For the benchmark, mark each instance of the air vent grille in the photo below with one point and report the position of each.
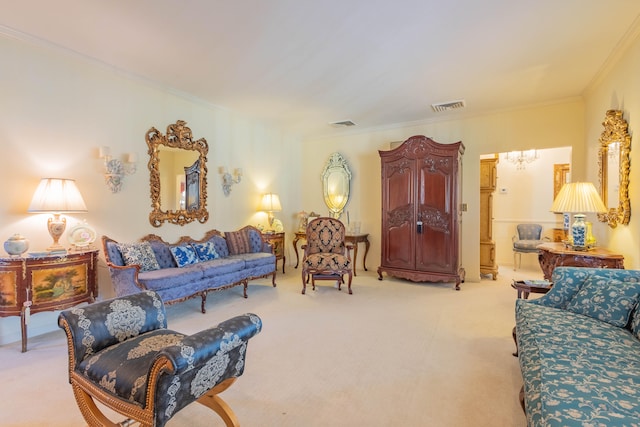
(345, 123)
(447, 106)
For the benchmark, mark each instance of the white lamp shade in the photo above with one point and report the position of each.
(57, 195)
(578, 197)
(270, 203)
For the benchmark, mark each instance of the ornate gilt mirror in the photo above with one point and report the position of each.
(613, 160)
(178, 176)
(336, 179)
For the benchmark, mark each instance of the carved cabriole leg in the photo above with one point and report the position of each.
(379, 273)
(521, 398)
(214, 402)
(273, 279)
(350, 277)
(204, 300)
(245, 285)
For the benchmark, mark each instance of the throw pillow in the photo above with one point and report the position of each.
(607, 300)
(184, 255)
(238, 242)
(205, 251)
(139, 254)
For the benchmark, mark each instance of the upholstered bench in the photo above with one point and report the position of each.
(122, 355)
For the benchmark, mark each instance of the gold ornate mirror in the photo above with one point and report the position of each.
(178, 176)
(613, 159)
(336, 178)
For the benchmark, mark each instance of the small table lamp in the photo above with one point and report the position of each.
(270, 203)
(56, 195)
(578, 198)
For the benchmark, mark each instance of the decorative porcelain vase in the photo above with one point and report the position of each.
(16, 245)
(579, 231)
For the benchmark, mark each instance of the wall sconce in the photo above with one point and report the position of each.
(228, 180)
(116, 169)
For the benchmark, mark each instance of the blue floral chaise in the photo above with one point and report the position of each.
(579, 349)
(122, 355)
(189, 267)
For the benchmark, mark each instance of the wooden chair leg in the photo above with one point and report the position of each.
(90, 412)
(350, 277)
(211, 400)
(304, 281)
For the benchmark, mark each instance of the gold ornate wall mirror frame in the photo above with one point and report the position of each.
(613, 162)
(177, 176)
(336, 179)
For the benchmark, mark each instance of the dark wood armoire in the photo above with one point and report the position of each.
(421, 212)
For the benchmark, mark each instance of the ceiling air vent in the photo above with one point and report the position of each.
(447, 106)
(345, 123)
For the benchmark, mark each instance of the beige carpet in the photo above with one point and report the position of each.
(395, 353)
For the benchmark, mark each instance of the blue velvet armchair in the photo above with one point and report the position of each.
(122, 355)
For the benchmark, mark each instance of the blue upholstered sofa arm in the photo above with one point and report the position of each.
(197, 349)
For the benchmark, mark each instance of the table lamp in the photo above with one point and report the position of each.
(55, 196)
(578, 198)
(270, 203)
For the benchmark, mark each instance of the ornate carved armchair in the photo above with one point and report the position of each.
(122, 355)
(326, 256)
(526, 241)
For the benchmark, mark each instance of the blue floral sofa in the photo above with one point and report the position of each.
(189, 268)
(579, 349)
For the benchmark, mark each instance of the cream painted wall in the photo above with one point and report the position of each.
(548, 126)
(619, 89)
(58, 108)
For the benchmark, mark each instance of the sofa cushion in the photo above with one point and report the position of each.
(184, 255)
(238, 242)
(610, 301)
(221, 246)
(256, 259)
(158, 280)
(220, 266)
(163, 254)
(139, 254)
(206, 251)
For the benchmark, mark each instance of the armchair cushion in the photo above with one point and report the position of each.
(327, 261)
(610, 301)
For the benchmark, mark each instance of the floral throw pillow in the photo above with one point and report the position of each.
(205, 251)
(610, 301)
(184, 255)
(139, 254)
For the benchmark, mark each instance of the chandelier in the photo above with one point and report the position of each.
(520, 158)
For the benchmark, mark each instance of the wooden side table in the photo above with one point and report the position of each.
(277, 242)
(29, 285)
(351, 238)
(552, 255)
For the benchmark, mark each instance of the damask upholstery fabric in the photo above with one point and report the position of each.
(579, 370)
(325, 235)
(238, 242)
(116, 342)
(529, 237)
(140, 254)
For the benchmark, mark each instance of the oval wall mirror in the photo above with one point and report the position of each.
(613, 160)
(336, 179)
(177, 176)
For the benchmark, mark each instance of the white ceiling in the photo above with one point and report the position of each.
(305, 63)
